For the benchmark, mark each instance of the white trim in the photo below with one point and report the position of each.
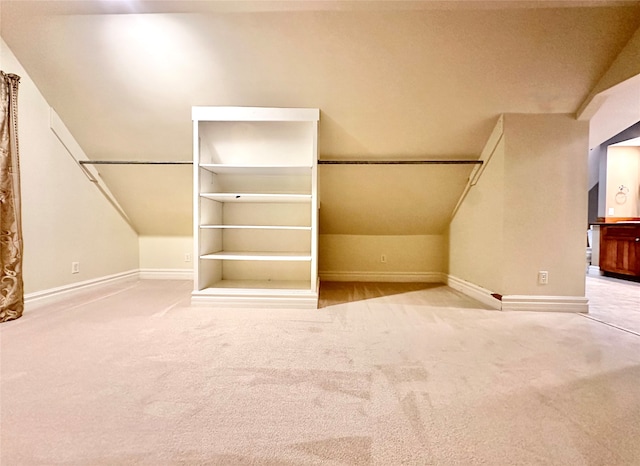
(485, 157)
(520, 302)
(72, 147)
(257, 298)
(309, 301)
(594, 270)
(489, 150)
(395, 277)
(254, 114)
(473, 291)
(545, 303)
(51, 295)
(166, 274)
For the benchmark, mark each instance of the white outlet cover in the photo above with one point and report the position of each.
(543, 277)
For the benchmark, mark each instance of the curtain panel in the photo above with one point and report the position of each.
(11, 286)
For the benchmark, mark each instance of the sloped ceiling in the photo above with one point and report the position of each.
(392, 79)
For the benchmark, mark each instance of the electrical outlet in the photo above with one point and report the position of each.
(187, 257)
(75, 267)
(383, 258)
(611, 211)
(543, 277)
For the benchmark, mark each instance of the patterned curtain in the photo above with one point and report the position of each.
(11, 290)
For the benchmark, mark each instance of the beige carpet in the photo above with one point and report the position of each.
(615, 302)
(380, 375)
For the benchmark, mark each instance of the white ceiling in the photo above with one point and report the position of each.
(392, 79)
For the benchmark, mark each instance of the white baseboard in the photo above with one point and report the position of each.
(166, 274)
(395, 277)
(594, 270)
(51, 295)
(520, 302)
(473, 291)
(507, 303)
(256, 302)
(545, 303)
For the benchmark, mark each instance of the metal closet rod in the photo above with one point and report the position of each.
(135, 162)
(401, 162)
(320, 162)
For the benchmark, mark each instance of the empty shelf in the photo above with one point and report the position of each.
(254, 227)
(259, 256)
(252, 285)
(255, 169)
(253, 197)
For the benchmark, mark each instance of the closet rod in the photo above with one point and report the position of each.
(400, 162)
(134, 162)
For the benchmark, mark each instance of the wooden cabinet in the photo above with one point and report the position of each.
(255, 206)
(620, 249)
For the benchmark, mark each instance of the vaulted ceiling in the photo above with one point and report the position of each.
(393, 79)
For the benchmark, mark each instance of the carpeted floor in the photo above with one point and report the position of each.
(381, 374)
(614, 302)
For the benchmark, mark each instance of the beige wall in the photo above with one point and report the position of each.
(358, 256)
(528, 211)
(476, 234)
(165, 252)
(65, 218)
(389, 200)
(623, 169)
(545, 223)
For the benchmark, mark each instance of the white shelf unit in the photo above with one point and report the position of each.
(256, 206)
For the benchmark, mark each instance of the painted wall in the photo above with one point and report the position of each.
(616, 95)
(475, 234)
(623, 169)
(399, 211)
(392, 200)
(598, 164)
(594, 166)
(618, 108)
(65, 218)
(166, 253)
(602, 182)
(528, 211)
(545, 204)
(358, 257)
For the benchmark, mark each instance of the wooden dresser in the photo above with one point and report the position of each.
(620, 248)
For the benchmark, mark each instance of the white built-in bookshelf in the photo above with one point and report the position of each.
(255, 206)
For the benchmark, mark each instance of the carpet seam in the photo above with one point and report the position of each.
(611, 325)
